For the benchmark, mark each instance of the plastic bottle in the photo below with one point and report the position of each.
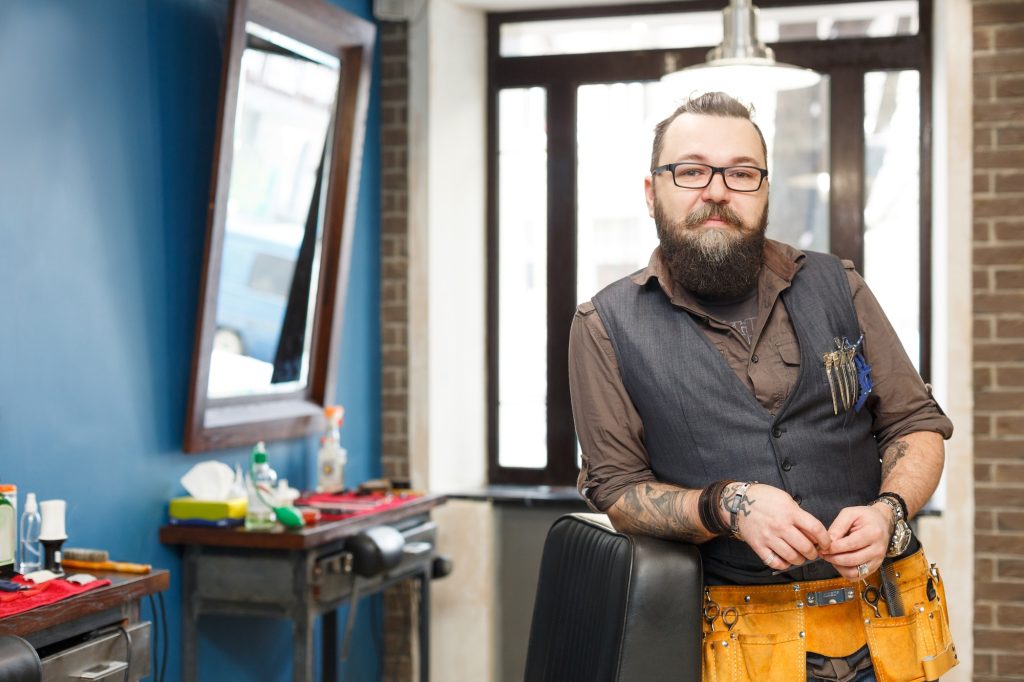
(331, 458)
(259, 514)
(8, 529)
(31, 558)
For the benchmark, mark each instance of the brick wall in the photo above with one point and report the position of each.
(399, 607)
(998, 298)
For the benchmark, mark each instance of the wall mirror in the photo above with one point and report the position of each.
(287, 157)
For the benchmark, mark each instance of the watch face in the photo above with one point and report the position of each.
(900, 539)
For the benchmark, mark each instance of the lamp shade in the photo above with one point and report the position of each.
(741, 63)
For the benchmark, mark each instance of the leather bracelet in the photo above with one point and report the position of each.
(707, 507)
(899, 500)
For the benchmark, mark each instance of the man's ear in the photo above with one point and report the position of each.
(649, 191)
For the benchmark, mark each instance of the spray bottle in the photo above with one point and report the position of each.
(331, 459)
(31, 551)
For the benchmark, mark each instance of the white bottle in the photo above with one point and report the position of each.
(331, 459)
(8, 533)
(31, 558)
(260, 515)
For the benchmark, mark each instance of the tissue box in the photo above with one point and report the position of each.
(188, 511)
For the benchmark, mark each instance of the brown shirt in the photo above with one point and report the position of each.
(611, 433)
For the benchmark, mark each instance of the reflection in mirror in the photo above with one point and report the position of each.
(295, 91)
(275, 214)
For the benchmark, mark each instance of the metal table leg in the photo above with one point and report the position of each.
(190, 614)
(424, 624)
(329, 645)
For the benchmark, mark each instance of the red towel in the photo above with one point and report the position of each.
(346, 505)
(40, 595)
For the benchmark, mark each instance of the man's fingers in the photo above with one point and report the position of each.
(844, 522)
(814, 531)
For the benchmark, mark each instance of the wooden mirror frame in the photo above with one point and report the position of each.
(212, 424)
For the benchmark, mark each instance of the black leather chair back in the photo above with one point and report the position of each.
(612, 607)
(19, 661)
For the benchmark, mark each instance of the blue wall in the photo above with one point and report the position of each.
(107, 112)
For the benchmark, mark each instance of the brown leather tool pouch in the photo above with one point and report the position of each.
(767, 630)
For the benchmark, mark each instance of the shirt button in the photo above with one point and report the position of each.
(754, 358)
(786, 465)
(777, 432)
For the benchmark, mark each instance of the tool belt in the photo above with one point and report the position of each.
(758, 633)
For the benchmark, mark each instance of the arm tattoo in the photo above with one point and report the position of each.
(661, 513)
(893, 454)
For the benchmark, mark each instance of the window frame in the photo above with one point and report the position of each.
(844, 60)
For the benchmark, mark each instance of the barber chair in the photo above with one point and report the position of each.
(19, 661)
(612, 607)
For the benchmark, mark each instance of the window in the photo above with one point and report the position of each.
(575, 97)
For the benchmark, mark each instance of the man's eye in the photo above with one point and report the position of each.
(691, 172)
(741, 174)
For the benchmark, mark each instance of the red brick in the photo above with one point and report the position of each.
(999, 255)
(1005, 12)
(1001, 496)
(984, 88)
(984, 520)
(996, 639)
(998, 352)
(1010, 426)
(982, 474)
(999, 158)
(983, 39)
(999, 302)
(1009, 87)
(1010, 182)
(1011, 664)
(999, 543)
(998, 592)
(982, 427)
(981, 231)
(984, 614)
(983, 663)
(1012, 36)
(984, 568)
(1010, 329)
(1009, 231)
(1009, 615)
(1010, 568)
(1009, 136)
(982, 183)
(1009, 279)
(982, 377)
(994, 401)
(980, 279)
(999, 206)
(991, 448)
(1009, 520)
(982, 329)
(1010, 376)
(998, 63)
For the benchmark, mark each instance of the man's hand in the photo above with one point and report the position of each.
(860, 535)
(778, 530)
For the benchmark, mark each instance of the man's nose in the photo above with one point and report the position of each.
(716, 191)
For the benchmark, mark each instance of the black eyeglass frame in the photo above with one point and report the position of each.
(671, 167)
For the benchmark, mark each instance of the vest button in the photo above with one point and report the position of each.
(786, 465)
(754, 358)
(798, 499)
(777, 432)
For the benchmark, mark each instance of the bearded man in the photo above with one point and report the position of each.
(751, 398)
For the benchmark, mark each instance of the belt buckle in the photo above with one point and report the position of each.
(829, 597)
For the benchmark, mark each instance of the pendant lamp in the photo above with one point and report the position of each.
(741, 64)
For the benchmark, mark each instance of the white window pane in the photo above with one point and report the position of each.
(522, 278)
(615, 236)
(697, 29)
(892, 199)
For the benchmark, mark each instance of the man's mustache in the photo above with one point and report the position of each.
(699, 216)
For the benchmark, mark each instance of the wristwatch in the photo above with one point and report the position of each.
(901, 533)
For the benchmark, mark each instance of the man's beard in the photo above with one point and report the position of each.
(714, 264)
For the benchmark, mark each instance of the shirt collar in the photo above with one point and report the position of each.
(781, 261)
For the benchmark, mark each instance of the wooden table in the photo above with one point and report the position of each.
(297, 574)
(88, 612)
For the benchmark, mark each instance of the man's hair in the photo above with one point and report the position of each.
(708, 104)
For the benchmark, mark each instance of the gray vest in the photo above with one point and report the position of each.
(702, 424)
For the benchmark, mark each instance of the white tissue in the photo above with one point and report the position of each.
(209, 481)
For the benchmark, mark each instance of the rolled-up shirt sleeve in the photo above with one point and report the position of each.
(900, 402)
(608, 426)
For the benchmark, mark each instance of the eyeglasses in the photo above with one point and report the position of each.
(699, 175)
